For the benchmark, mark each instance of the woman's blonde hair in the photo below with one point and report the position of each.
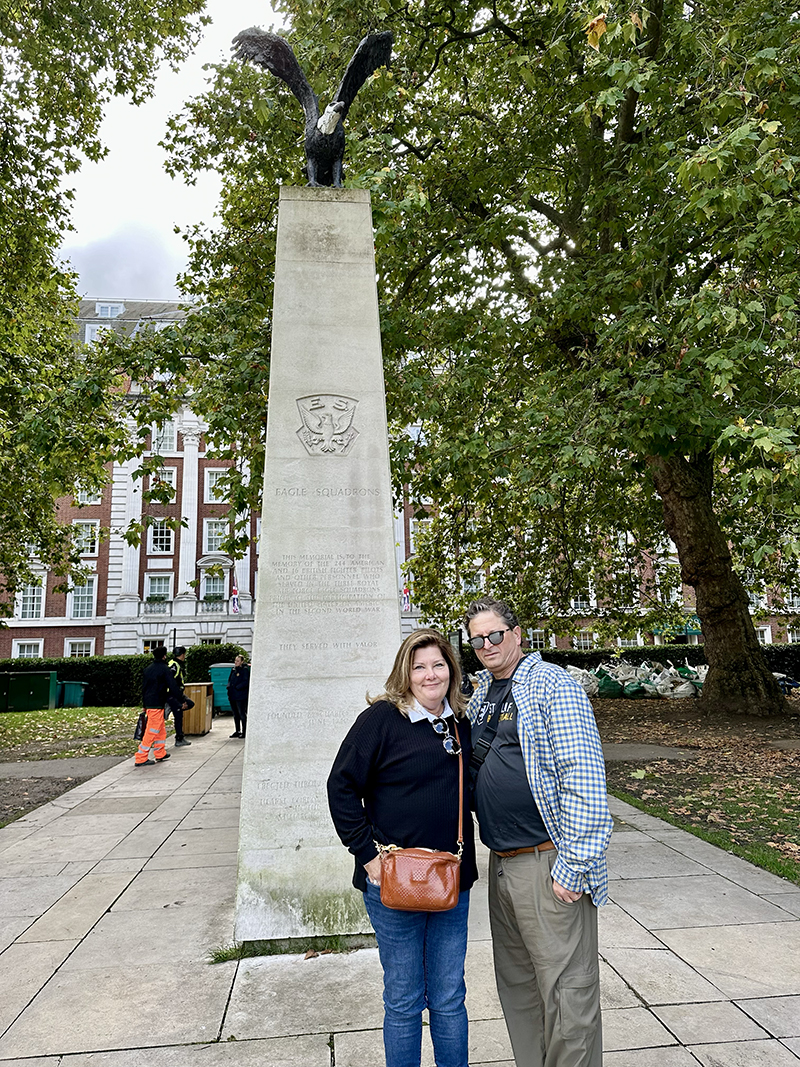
(398, 684)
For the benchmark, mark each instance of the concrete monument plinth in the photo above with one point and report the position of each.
(327, 625)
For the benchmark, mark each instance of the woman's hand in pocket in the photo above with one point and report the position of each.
(373, 869)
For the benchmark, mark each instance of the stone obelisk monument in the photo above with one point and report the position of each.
(327, 625)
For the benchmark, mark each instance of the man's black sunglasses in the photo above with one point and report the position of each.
(493, 638)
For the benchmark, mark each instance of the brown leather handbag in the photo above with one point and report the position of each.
(421, 879)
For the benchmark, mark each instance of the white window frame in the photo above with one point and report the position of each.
(208, 490)
(69, 642)
(537, 638)
(90, 581)
(630, 642)
(580, 637)
(160, 578)
(94, 524)
(581, 603)
(17, 644)
(158, 525)
(105, 309)
(223, 578)
(91, 332)
(764, 635)
(149, 643)
(87, 497)
(413, 526)
(208, 525)
(793, 636)
(164, 437)
(168, 475)
(20, 601)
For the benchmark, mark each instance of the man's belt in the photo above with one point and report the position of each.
(546, 846)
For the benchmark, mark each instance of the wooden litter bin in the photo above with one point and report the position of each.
(197, 720)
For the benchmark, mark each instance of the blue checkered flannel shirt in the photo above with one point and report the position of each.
(564, 761)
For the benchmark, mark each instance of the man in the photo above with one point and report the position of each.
(176, 664)
(540, 797)
(158, 683)
(238, 695)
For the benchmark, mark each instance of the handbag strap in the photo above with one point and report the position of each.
(480, 749)
(460, 792)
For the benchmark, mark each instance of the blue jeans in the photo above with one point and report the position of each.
(422, 955)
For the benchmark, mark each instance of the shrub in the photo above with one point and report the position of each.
(116, 681)
(200, 657)
(783, 659)
(112, 681)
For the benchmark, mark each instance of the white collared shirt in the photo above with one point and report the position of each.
(417, 713)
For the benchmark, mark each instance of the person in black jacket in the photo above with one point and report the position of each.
(395, 781)
(238, 690)
(177, 664)
(158, 683)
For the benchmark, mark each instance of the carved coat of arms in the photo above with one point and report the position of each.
(327, 428)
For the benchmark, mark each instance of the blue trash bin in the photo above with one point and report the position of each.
(220, 673)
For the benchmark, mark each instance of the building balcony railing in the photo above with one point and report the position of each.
(198, 607)
(156, 607)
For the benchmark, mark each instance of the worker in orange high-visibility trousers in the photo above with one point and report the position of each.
(158, 682)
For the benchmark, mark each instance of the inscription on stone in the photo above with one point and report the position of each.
(327, 428)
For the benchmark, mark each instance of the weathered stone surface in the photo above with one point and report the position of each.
(755, 960)
(277, 996)
(678, 903)
(327, 625)
(745, 1054)
(121, 1007)
(707, 1023)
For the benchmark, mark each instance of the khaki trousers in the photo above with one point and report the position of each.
(546, 965)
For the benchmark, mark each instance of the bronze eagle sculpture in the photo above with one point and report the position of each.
(325, 132)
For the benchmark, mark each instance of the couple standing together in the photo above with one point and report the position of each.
(540, 798)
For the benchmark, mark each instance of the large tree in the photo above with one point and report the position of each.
(587, 231)
(60, 62)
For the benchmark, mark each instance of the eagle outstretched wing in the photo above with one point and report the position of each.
(374, 51)
(273, 52)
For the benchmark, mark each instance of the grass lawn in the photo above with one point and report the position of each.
(67, 732)
(740, 792)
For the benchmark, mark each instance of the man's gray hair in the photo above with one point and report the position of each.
(488, 603)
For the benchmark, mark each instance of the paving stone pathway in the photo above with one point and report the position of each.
(112, 896)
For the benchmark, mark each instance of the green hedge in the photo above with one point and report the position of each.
(112, 681)
(116, 681)
(200, 657)
(783, 659)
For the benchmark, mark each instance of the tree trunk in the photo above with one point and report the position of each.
(738, 677)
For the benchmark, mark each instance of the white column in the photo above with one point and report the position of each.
(186, 595)
(126, 507)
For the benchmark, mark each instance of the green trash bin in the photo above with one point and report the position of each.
(32, 690)
(73, 694)
(220, 673)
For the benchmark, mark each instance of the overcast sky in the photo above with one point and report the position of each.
(126, 206)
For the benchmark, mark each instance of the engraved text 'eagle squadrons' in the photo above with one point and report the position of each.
(327, 428)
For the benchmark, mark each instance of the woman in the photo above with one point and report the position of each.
(238, 692)
(395, 781)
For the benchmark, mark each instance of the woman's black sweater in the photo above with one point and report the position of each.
(393, 782)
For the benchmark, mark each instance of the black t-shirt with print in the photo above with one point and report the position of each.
(507, 813)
